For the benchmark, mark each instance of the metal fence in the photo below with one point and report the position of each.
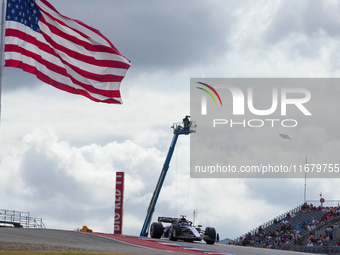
(327, 203)
(10, 218)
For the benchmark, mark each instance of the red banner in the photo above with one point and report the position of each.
(119, 198)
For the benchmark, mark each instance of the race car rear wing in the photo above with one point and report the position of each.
(167, 219)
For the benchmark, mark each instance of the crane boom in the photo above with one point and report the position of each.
(183, 128)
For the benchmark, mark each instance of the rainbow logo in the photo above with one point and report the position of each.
(213, 90)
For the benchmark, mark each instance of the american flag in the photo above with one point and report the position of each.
(63, 52)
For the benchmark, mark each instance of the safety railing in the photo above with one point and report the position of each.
(326, 203)
(10, 218)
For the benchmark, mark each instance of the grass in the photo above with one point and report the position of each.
(2, 252)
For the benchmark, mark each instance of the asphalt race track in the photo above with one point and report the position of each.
(126, 244)
(71, 239)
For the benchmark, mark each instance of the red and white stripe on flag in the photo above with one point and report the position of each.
(63, 52)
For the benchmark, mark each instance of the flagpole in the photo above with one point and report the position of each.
(3, 24)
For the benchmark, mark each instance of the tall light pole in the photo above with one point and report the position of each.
(305, 183)
(305, 194)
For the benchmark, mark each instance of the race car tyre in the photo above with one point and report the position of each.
(211, 232)
(174, 231)
(156, 230)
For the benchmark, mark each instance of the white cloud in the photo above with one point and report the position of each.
(58, 181)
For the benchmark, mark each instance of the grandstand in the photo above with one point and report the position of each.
(306, 228)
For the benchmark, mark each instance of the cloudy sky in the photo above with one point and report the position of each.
(59, 152)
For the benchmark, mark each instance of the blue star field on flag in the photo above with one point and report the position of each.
(25, 12)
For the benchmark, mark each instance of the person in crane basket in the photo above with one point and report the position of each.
(186, 122)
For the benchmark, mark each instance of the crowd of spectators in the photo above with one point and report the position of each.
(281, 237)
(322, 240)
(285, 233)
(329, 212)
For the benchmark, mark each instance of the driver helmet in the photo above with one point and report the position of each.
(184, 224)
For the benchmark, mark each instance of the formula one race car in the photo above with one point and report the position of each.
(181, 229)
